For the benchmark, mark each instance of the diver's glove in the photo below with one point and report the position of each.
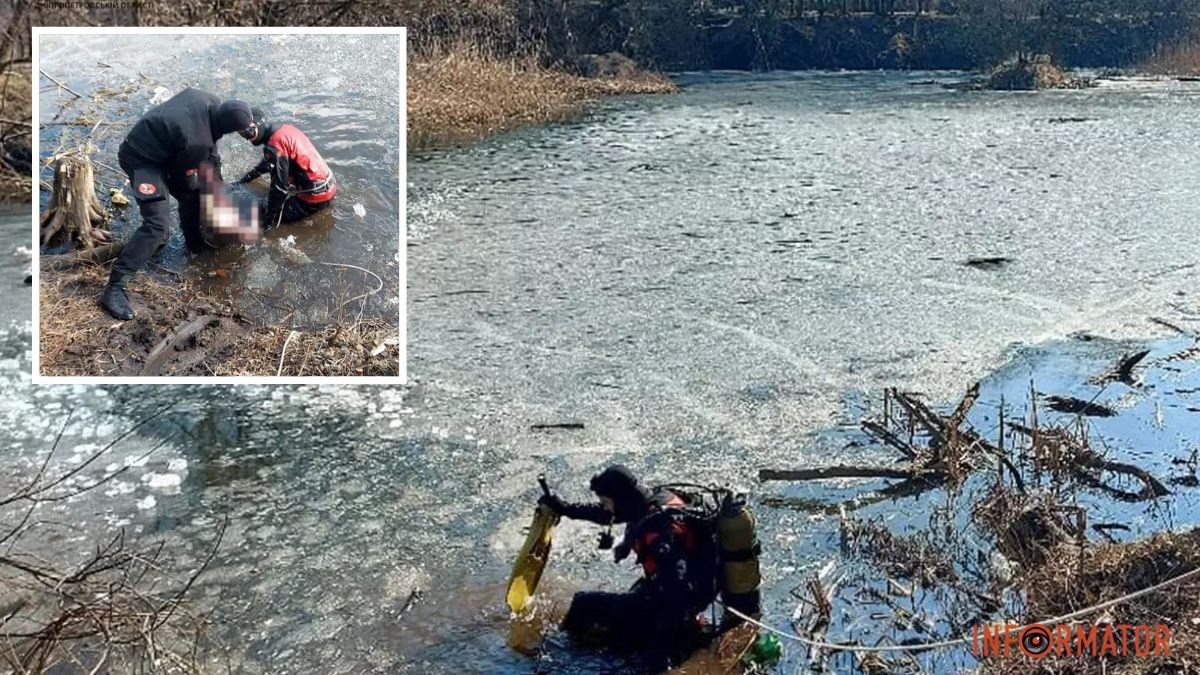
(621, 552)
(553, 502)
(250, 177)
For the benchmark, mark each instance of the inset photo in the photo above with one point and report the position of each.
(219, 203)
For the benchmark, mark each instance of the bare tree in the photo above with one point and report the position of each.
(109, 611)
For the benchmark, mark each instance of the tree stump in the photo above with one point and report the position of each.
(74, 213)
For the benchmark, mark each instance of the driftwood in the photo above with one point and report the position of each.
(948, 457)
(926, 470)
(94, 256)
(1123, 371)
(921, 414)
(163, 352)
(556, 425)
(841, 471)
(1078, 406)
(1168, 324)
(887, 436)
(74, 210)
(1080, 457)
(1152, 487)
(905, 488)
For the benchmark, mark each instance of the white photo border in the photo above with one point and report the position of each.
(401, 378)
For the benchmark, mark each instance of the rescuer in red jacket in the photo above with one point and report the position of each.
(301, 182)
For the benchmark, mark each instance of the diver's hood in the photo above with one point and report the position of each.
(619, 484)
(230, 116)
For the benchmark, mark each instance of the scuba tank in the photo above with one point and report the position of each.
(728, 518)
(739, 549)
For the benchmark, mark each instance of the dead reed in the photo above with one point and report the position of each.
(465, 92)
(1179, 59)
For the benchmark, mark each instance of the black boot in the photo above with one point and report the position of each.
(114, 298)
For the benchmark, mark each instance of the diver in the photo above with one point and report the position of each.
(162, 154)
(301, 182)
(684, 543)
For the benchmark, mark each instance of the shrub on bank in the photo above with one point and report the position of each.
(466, 93)
(15, 114)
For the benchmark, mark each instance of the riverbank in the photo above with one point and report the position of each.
(464, 94)
(179, 330)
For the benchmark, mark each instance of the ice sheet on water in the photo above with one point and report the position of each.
(262, 273)
(160, 95)
(162, 481)
(119, 487)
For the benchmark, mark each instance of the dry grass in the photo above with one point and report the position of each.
(340, 350)
(16, 111)
(914, 557)
(79, 338)
(1105, 571)
(464, 94)
(1178, 59)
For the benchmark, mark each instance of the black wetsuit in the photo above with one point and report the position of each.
(679, 559)
(166, 144)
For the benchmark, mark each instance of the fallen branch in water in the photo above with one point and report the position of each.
(905, 488)
(1123, 371)
(1078, 406)
(843, 471)
(1078, 456)
(887, 436)
(55, 81)
(1168, 324)
(1152, 487)
(556, 425)
(921, 414)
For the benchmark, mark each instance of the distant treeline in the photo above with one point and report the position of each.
(787, 34)
(736, 34)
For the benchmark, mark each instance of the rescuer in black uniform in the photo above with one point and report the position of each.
(162, 155)
(301, 182)
(678, 557)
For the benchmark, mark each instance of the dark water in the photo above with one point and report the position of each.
(341, 91)
(639, 271)
(15, 264)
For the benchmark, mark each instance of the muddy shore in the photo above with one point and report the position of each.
(179, 331)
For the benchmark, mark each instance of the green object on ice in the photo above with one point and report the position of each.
(765, 651)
